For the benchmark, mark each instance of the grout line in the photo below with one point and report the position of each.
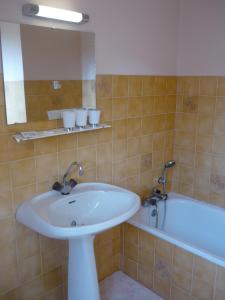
(192, 275)
(214, 284)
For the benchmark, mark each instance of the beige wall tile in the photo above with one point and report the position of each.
(5, 179)
(106, 109)
(28, 246)
(204, 143)
(119, 150)
(190, 85)
(171, 85)
(119, 108)
(148, 85)
(5, 204)
(51, 260)
(147, 241)
(21, 150)
(133, 127)
(131, 251)
(9, 278)
(183, 259)
(187, 140)
(87, 139)
(146, 162)
(67, 142)
(133, 146)
(164, 249)
(178, 294)
(220, 106)
(181, 278)
(7, 231)
(186, 122)
(148, 105)
(160, 85)
(189, 104)
(54, 294)
(145, 276)
(44, 146)
(134, 107)
(46, 167)
(119, 129)
(162, 286)
(135, 86)
(30, 268)
(208, 86)
(220, 278)
(220, 86)
(146, 144)
(204, 270)
(130, 268)
(130, 234)
(120, 86)
(202, 290)
(146, 258)
(206, 104)
(104, 153)
(219, 294)
(104, 86)
(23, 172)
(14, 294)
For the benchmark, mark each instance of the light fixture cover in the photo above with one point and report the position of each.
(42, 11)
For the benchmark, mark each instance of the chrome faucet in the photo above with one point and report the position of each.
(156, 195)
(67, 185)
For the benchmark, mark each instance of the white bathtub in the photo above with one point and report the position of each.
(195, 226)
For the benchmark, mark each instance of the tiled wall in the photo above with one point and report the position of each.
(172, 272)
(131, 153)
(200, 138)
(142, 113)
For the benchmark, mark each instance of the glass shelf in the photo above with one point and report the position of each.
(34, 135)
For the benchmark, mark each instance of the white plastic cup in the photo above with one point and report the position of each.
(69, 118)
(81, 117)
(94, 116)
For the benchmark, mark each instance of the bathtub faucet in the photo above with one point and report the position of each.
(153, 200)
(155, 197)
(163, 179)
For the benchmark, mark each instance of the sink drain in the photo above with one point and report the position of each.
(73, 223)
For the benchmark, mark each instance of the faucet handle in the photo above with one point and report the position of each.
(57, 186)
(156, 191)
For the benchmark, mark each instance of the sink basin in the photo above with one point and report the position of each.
(89, 209)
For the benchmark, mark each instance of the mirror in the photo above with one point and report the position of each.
(46, 69)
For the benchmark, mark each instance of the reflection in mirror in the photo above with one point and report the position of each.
(12, 64)
(58, 69)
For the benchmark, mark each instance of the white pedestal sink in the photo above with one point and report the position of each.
(90, 208)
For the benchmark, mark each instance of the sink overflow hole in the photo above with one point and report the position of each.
(73, 223)
(72, 201)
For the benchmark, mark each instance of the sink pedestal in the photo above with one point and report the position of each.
(82, 274)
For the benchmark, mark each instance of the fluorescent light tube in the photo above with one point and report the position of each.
(48, 12)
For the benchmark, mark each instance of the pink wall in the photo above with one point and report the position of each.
(201, 47)
(132, 37)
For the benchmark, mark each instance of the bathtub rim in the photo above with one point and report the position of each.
(220, 261)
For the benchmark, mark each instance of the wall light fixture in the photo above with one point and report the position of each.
(42, 11)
